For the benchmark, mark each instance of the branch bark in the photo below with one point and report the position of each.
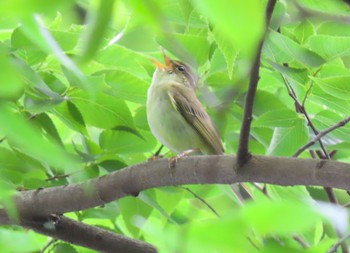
(320, 135)
(189, 170)
(92, 237)
(243, 146)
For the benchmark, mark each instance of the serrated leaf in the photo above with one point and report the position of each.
(70, 115)
(99, 19)
(304, 30)
(127, 60)
(329, 47)
(126, 86)
(122, 142)
(285, 141)
(102, 111)
(277, 118)
(44, 121)
(194, 47)
(333, 28)
(337, 86)
(28, 139)
(281, 49)
(297, 75)
(241, 22)
(75, 113)
(227, 49)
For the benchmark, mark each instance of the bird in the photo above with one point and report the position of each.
(175, 115)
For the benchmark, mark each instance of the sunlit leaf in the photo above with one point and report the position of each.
(97, 26)
(30, 141)
(286, 141)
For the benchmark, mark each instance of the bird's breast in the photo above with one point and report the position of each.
(167, 124)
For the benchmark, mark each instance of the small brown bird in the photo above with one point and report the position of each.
(175, 115)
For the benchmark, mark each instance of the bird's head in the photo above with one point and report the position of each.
(174, 71)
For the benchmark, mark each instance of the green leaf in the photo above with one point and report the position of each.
(64, 248)
(25, 48)
(11, 84)
(102, 111)
(42, 104)
(44, 121)
(326, 119)
(279, 48)
(304, 30)
(329, 47)
(135, 212)
(30, 241)
(33, 80)
(126, 86)
(227, 49)
(26, 138)
(96, 28)
(337, 86)
(333, 28)
(112, 165)
(266, 101)
(326, 101)
(242, 23)
(123, 142)
(280, 217)
(195, 47)
(286, 141)
(299, 76)
(277, 118)
(38, 34)
(70, 115)
(149, 198)
(127, 60)
(141, 118)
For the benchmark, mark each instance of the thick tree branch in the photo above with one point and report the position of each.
(189, 170)
(243, 146)
(92, 237)
(320, 135)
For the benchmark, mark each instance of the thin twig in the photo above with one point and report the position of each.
(341, 241)
(200, 199)
(243, 146)
(300, 108)
(49, 244)
(321, 134)
(303, 243)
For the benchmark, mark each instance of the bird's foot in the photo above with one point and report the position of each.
(173, 160)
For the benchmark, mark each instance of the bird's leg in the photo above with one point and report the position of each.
(173, 160)
(157, 155)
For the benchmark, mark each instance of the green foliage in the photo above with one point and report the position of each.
(72, 102)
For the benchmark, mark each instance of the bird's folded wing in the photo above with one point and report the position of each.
(186, 102)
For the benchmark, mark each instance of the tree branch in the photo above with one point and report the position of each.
(243, 146)
(92, 237)
(320, 135)
(189, 170)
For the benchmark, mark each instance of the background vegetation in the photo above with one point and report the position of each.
(73, 85)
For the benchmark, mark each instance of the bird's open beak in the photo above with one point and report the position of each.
(167, 62)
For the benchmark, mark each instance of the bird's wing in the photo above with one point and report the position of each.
(186, 102)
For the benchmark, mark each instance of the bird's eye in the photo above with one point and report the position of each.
(181, 68)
